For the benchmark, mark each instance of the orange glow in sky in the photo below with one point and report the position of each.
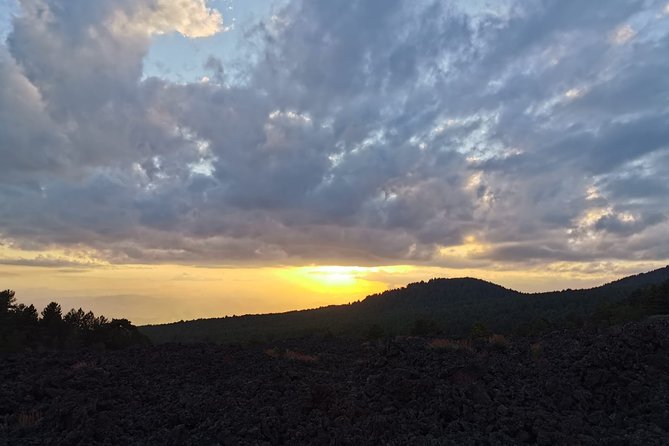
(164, 293)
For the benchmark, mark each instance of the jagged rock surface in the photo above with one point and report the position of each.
(571, 387)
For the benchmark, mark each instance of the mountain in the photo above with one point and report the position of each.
(640, 280)
(447, 306)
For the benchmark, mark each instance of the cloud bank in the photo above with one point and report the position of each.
(370, 132)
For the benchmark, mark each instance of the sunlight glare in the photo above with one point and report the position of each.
(351, 280)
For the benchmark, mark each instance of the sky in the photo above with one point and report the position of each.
(176, 159)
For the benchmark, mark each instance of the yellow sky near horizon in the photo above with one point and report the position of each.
(165, 293)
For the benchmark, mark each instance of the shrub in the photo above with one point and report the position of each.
(451, 344)
(424, 327)
(300, 357)
(374, 332)
(536, 350)
(499, 341)
(276, 352)
(80, 365)
(279, 352)
(29, 419)
(479, 331)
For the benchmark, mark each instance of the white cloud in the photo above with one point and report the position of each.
(592, 193)
(622, 34)
(191, 18)
(574, 93)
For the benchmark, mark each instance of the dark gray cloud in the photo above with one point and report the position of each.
(370, 132)
(47, 262)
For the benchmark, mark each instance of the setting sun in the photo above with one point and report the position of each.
(334, 275)
(349, 282)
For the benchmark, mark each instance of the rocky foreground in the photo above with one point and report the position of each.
(564, 388)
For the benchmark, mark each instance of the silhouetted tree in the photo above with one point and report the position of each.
(26, 316)
(7, 304)
(53, 326)
(21, 328)
(52, 314)
(7, 301)
(18, 323)
(74, 318)
(120, 333)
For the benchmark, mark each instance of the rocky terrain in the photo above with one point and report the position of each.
(569, 387)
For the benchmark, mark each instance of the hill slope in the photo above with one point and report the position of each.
(450, 306)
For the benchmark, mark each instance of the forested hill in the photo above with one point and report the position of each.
(446, 306)
(437, 292)
(640, 280)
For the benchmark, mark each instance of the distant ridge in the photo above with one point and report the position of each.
(448, 305)
(446, 288)
(640, 280)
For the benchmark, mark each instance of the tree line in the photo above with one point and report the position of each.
(23, 328)
(651, 300)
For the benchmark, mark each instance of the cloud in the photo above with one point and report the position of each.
(391, 134)
(46, 261)
(191, 18)
(622, 34)
(25, 125)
